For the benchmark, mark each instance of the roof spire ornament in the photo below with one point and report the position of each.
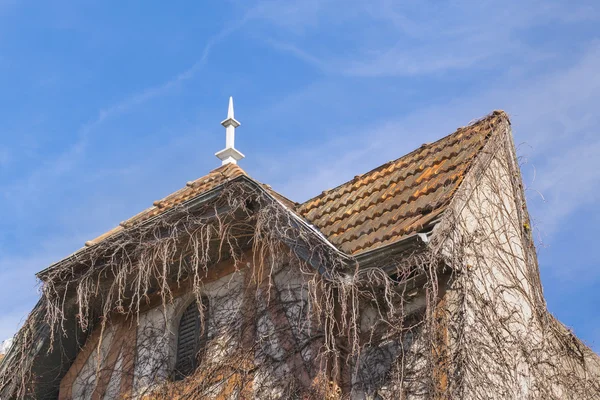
(229, 155)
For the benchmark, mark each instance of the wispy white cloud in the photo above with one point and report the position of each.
(569, 180)
(306, 57)
(385, 38)
(150, 93)
(296, 16)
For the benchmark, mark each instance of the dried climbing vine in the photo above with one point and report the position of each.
(460, 317)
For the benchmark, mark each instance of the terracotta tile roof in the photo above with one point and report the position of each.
(192, 189)
(374, 209)
(401, 197)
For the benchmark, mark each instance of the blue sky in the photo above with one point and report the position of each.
(106, 107)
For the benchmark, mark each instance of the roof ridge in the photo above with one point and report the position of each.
(490, 116)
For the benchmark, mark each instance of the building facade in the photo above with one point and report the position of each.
(416, 280)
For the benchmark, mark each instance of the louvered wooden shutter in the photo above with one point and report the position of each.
(191, 340)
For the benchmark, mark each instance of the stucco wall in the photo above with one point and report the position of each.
(158, 330)
(507, 344)
(277, 329)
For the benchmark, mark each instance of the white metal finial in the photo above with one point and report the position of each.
(229, 154)
(230, 109)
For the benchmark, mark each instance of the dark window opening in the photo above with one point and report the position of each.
(191, 340)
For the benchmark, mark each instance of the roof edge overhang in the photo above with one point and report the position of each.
(209, 195)
(195, 201)
(382, 255)
(375, 256)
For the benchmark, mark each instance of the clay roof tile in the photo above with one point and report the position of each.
(400, 197)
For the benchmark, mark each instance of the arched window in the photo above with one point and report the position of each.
(191, 339)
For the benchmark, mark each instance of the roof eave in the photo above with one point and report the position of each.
(201, 199)
(194, 201)
(415, 241)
